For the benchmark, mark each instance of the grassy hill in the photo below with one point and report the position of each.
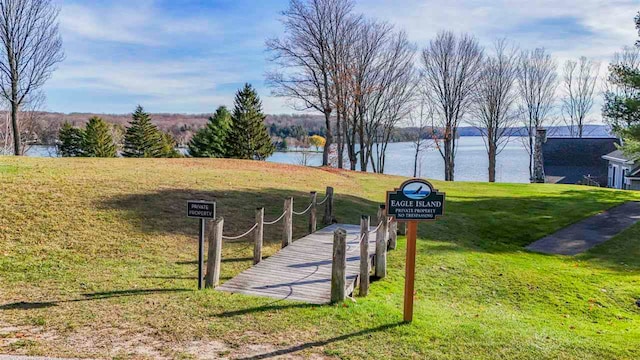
(98, 260)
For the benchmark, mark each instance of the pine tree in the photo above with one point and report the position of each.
(248, 137)
(142, 139)
(210, 141)
(168, 146)
(622, 108)
(98, 141)
(71, 140)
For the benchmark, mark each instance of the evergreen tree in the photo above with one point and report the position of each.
(142, 139)
(168, 146)
(210, 141)
(71, 140)
(98, 141)
(622, 107)
(248, 137)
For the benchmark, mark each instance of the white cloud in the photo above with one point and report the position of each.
(186, 63)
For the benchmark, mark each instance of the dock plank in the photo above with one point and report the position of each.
(302, 270)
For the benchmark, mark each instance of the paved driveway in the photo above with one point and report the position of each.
(590, 232)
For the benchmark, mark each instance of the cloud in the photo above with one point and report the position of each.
(190, 56)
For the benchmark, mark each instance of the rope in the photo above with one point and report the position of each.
(274, 221)
(303, 212)
(240, 236)
(324, 200)
(376, 229)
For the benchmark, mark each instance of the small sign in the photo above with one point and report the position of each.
(201, 209)
(415, 200)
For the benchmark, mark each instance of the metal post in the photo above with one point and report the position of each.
(201, 254)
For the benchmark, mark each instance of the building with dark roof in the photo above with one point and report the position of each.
(623, 171)
(577, 160)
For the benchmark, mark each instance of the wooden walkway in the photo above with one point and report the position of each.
(302, 270)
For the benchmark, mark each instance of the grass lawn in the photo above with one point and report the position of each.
(97, 259)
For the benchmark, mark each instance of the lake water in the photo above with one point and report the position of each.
(471, 160)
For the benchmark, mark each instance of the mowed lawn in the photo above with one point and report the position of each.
(97, 259)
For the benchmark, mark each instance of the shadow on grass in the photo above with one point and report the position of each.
(319, 343)
(273, 306)
(481, 223)
(87, 297)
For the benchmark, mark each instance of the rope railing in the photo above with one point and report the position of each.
(376, 229)
(242, 235)
(276, 220)
(303, 212)
(326, 197)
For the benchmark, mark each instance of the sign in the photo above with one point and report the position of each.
(201, 209)
(415, 200)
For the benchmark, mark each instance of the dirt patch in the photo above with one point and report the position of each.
(108, 343)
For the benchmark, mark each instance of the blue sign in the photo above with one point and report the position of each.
(415, 200)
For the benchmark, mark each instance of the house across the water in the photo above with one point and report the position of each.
(623, 172)
(577, 160)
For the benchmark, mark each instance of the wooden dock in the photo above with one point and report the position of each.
(302, 270)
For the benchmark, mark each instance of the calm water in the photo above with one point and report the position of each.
(471, 160)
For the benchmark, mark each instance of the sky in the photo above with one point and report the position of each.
(187, 56)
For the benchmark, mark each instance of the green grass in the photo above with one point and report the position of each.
(97, 260)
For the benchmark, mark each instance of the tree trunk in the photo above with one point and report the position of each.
(492, 161)
(339, 140)
(415, 160)
(15, 128)
(329, 139)
(448, 159)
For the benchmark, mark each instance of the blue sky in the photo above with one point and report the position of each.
(188, 56)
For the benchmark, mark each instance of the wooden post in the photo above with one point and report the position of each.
(287, 232)
(328, 207)
(338, 266)
(364, 255)
(259, 235)
(381, 243)
(214, 256)
(410, 270)
(393, 235)
(313, 223)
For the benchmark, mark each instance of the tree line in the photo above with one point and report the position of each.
(365, 77)
(241, 134)
(142, 139)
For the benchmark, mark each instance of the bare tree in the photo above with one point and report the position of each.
(451, 66)
(495, 100)
(537, 83)
(31, 48)
(420, 120)
(392, 97)
(578, 86)
(304, 56)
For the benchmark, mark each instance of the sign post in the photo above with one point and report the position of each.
(201, 210)
(416, 200)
